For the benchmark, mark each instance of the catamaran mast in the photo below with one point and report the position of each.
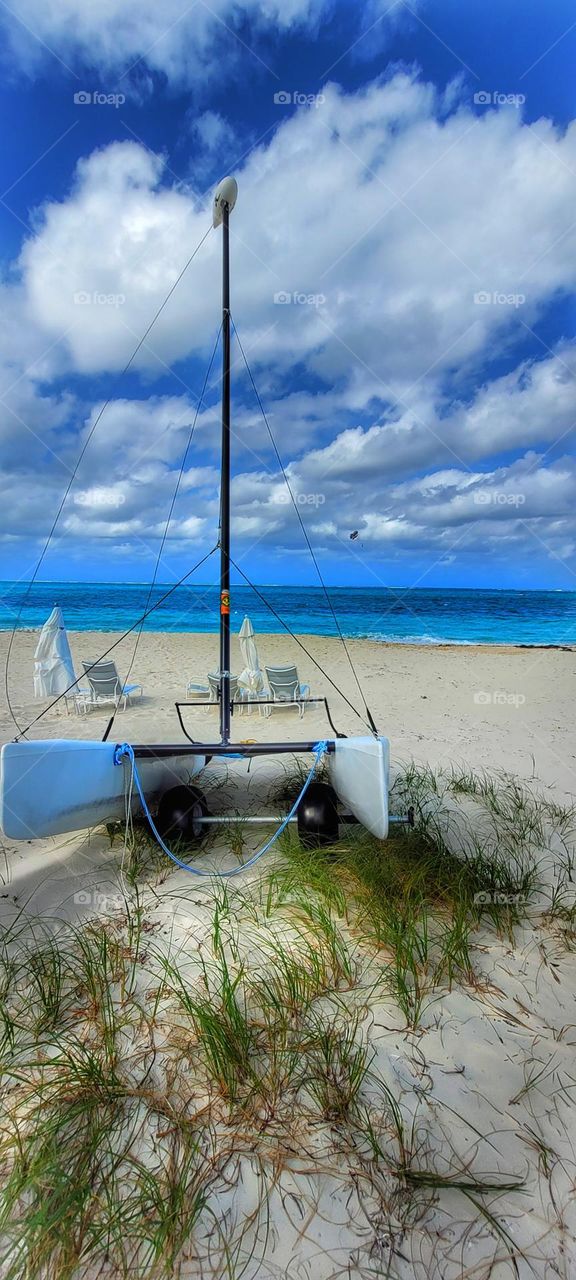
(224, 202)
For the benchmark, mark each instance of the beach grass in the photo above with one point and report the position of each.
(167, 1094)
(108, 1169)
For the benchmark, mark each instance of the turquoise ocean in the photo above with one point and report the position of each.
(411, 616)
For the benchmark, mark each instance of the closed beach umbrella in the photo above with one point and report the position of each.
(53, 666)
(251, 677)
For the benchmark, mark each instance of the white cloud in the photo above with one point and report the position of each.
(180, 40)
(405, 214)
(104, 260)
(216, 144)
(392, 213)
(533, 403)
(128, 478)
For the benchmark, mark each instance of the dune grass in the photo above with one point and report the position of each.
(412, 903)
(419, 897)
(115, 1160)
(141, 1078)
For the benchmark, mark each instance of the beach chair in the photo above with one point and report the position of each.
(211, 692)
(78, 699)
(236, 693)
(106, 686)
(214, 682)
(198, 691)
(285, 689)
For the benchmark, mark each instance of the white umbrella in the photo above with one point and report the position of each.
(251, 677)
(53, 666)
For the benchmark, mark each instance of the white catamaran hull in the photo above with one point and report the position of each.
(51, 787)
(54, 786)
(359, 770)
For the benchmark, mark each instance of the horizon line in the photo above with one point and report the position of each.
(338, 586)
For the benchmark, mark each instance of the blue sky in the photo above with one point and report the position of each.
(404, 268)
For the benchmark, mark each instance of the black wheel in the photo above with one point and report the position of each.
(318, 816)
(178, 817)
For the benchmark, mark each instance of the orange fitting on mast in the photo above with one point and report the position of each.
(225, 602)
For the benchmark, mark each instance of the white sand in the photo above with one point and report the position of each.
(485, 706)
(463, 1073)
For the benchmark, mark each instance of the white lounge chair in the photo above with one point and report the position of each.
(214, 682)
(105, 687)
(198, 691)
(285, 689)
(211, 692)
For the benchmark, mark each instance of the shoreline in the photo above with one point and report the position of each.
(504, 646)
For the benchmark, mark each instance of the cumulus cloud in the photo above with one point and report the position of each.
(423, 239)
(216, 144)
(127, 481)
(103, 297)
(416, 241)
(183, 42)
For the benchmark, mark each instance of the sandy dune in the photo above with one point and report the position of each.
(485, 1081)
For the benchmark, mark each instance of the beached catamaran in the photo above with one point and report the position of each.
(49, 787)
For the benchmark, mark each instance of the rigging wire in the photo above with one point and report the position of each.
(371, 723)
(302, 646)
(168, 521)
(138, 625)
(22, 732)
(125, 752)
(42, 556)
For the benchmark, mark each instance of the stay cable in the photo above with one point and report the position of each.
(370, 718)
(81, 455)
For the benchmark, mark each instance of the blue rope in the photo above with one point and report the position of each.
(125, 751)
